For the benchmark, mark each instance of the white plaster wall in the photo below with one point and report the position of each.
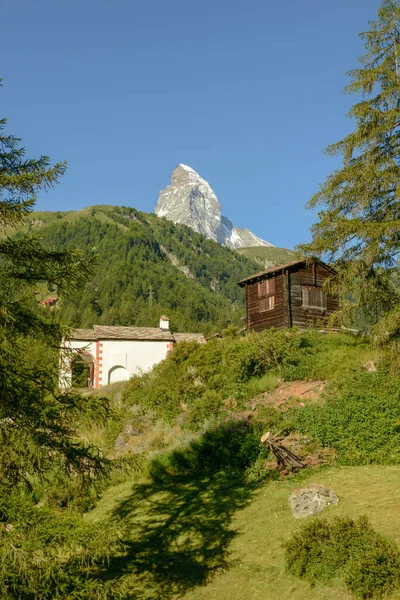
(118, 374)
(136, 356)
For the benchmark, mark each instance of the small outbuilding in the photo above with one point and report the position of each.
(289, 295)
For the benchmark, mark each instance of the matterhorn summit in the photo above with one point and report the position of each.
(191, 201)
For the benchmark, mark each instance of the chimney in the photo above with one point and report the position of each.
(164, 323)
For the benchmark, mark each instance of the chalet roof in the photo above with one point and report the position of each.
(283, 267)
(110, 332)
(189, 337)
(82, 334)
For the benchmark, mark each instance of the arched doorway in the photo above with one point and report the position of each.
(117, 373)
(82, 370)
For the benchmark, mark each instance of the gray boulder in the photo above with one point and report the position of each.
(311, 500)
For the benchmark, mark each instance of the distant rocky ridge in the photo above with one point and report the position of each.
(191, 201)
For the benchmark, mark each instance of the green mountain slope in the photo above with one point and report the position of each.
(268, 256)
(146, 266)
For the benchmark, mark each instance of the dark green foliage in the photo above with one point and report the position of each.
(80, 373)
(376, 572)
(234, 445)
(199, 377)
(48, 555)
(44, 554)
(203, 408)
(359, 203)
(367, 561)
(37, 422)
(202, 384)
(147, 266)
(361, 420)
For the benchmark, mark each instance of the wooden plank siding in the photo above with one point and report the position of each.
(314, 275)
(259, 320)
(298, 299)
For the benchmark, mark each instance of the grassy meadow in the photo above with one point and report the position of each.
(268, 256)
(222, 538)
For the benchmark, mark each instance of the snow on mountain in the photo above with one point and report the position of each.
(190, 200)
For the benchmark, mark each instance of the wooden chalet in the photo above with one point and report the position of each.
(289, 295)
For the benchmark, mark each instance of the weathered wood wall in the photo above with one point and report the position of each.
(312, 275)
(289, 310)
(257, 320)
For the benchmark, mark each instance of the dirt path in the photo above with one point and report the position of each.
(289, 394)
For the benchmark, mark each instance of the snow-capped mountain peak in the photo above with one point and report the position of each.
(191, 200)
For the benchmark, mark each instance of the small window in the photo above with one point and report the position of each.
(266, 288)
(266, 297)
(267, 303)
(313, 297)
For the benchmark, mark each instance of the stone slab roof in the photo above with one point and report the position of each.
(190, 337)
(108, 332)
(82, 334)
(104, 332)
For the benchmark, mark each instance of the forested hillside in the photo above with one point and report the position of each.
(146, 266)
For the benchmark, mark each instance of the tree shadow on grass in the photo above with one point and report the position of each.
(177, 531)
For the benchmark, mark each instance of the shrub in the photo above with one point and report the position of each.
(258, 385)
(350, 549)
(235, 368)
(362, 420)
(204, 409)
(376, 572)
(234, 445)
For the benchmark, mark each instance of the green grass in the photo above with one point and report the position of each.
(220, 538)
(266, 383)
(268, 256)
(258, 570)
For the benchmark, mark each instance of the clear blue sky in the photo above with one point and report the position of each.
(248, 93)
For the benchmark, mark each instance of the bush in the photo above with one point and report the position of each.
(234, 445)
(204, 409)
(362, 420)
(350, 549)
(377, 572)
(194, 375)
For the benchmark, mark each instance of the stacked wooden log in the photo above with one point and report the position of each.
(284, 457)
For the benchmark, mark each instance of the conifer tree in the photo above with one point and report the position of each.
(36, 420)
(359, 222)
(44, 552)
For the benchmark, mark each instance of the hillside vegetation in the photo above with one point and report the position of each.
(267, 256)
(146, 266)
(200, 504)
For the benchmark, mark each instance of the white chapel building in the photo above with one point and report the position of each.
(114, 353)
